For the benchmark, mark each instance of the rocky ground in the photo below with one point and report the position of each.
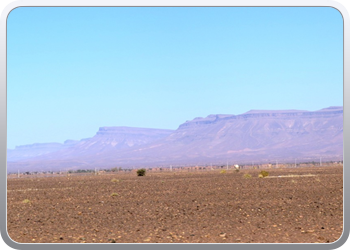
(302, 205)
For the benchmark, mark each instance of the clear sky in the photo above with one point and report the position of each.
(73, 70)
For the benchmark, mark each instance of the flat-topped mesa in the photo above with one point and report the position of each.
(207, 120)
(39, 145)
(253, 114)
(70, 142)
(132, 130)
(333, 110)
(326, 112)
(120, 137)
(257, 135)
(257, 111)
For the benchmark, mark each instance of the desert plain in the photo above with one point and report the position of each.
(291, 205)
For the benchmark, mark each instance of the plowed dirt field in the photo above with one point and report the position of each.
(290, 206)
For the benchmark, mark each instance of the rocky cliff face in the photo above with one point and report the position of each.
(112, 139)
(257, 135)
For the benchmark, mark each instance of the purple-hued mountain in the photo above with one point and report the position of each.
(106, 139)
(257, 135)
(37, 149)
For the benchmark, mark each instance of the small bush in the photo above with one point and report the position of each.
(26, 201)
(114, 194)
(246, 176)
(223, 172)
(114, 180)
(141, 172)
(263, 174)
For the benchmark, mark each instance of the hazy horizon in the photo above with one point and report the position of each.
(71, 70)
(94, 133)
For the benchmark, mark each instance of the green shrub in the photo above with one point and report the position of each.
(114, 194)
(26, 201)
(141, 172)
(263, 174)
(246, 176)
(223, 172)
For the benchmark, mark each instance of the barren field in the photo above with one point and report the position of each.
(303, 205)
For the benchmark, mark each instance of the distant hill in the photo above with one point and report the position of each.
(42, 155)
(37, 149)
(257, 135)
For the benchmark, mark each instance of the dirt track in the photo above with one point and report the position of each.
(179, 207)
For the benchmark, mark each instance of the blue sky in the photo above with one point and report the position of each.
(73, 70)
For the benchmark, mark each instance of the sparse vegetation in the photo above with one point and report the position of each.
(94, 209)
(263, 174)
(141, 172)
(223, 172)
(26, 201)
(114, 180)
(247, 176)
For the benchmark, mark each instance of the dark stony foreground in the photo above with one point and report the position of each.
(193, 207)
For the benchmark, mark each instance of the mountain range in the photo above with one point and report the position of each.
(257, 135)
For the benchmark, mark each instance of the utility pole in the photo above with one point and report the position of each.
(171, 168)
(17, 173)
(226, 165)
(320, 161)
(276, 164)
